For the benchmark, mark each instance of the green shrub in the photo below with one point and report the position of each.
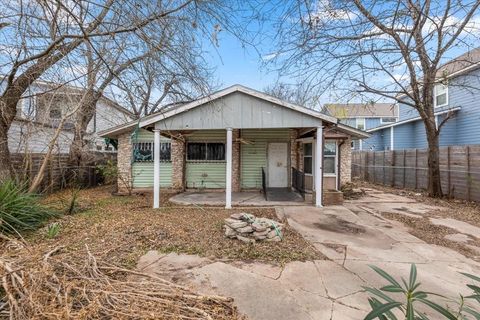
(383, 303)
(20, 210)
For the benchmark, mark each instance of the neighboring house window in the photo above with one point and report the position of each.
(308, 158)
(143, 151)
(360, 123)
(55, 113)
(330, 158)
(440, 93)
(206, 151)
(388, 119)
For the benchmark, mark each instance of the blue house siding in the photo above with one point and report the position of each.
(372, 123)
(375, 142)
(462, 129)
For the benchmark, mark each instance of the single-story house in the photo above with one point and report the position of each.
(234, 140)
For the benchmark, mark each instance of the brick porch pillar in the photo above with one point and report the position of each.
(293, 149)
(178, 164)
(236, 160)
(346, 162)
(124, 163)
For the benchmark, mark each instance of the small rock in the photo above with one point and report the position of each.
(245, 239)
(274, 239)
(257, 237)
(248, 217)
(229, 232)
(261, 233)
(247, 229)
(258, 226)
(237, 216)
(237, 224)
(272, 234)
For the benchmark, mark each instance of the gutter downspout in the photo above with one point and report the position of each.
(339, 161)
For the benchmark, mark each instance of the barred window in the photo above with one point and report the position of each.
(206, 151)
(143, 151)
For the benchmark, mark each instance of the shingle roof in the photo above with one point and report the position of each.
(459, 63)
(352, 110)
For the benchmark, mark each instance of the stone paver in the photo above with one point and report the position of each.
(353, 237)
(460, 226)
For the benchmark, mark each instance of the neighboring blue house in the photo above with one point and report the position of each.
(460, 96)
(363, 117)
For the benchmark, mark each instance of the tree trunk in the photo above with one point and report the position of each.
(434, 180)
(6, 170)
(8, 109)
(82, 118)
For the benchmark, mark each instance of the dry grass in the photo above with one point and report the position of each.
(93, 277)
(122, 228)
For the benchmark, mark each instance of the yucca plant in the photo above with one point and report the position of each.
(384, 305)
(53, 229)
(20, 210)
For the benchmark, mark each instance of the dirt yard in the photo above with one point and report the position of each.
(120, 229)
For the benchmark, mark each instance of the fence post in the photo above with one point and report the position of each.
(404, 167)
(416, 169)
(469, 178)
(374, 167)
(448, 171)
(393, 168)
(384, 168)
(366, 166)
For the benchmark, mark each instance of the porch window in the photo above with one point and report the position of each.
(308, 158)
(143, 151)
(440, 93)
(330, 158)
(206, 151)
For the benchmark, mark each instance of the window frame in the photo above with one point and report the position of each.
(152, 146)
(335, 159)
(364, 123)
(385, 122)
(308, 156)
(335, 156)
(206, 151)
(435, 95)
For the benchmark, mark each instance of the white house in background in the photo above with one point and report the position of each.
(39, 114)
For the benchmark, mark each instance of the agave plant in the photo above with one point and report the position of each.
(20, 210)
(384, 305)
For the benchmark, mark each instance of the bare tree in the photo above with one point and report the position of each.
(295, 93)
(393, 49)
(40, 34)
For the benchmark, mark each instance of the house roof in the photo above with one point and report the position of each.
(354, 110)
(465, 62)
(170, 113)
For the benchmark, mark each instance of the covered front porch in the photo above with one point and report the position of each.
(239, 199)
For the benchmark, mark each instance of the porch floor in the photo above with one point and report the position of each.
(244, 198)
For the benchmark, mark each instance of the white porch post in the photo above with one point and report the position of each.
(318, 167)
(156, 168)
(228, 182)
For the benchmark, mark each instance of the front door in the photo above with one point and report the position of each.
(277, 165)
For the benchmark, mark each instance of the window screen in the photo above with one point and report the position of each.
(201, 151)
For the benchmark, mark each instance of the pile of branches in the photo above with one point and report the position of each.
(56, 287)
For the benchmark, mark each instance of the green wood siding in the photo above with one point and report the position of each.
(143, 174)
(254, 155)
(204, 174)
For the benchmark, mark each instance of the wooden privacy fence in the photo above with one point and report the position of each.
(459, 169)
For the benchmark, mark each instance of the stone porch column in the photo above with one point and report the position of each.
(294, 156)
(124, 163)
(345, 162)
(236, 160)
(178, 164)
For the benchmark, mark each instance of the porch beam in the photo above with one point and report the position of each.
(156, 168)
(228, 176)
(319, 167)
